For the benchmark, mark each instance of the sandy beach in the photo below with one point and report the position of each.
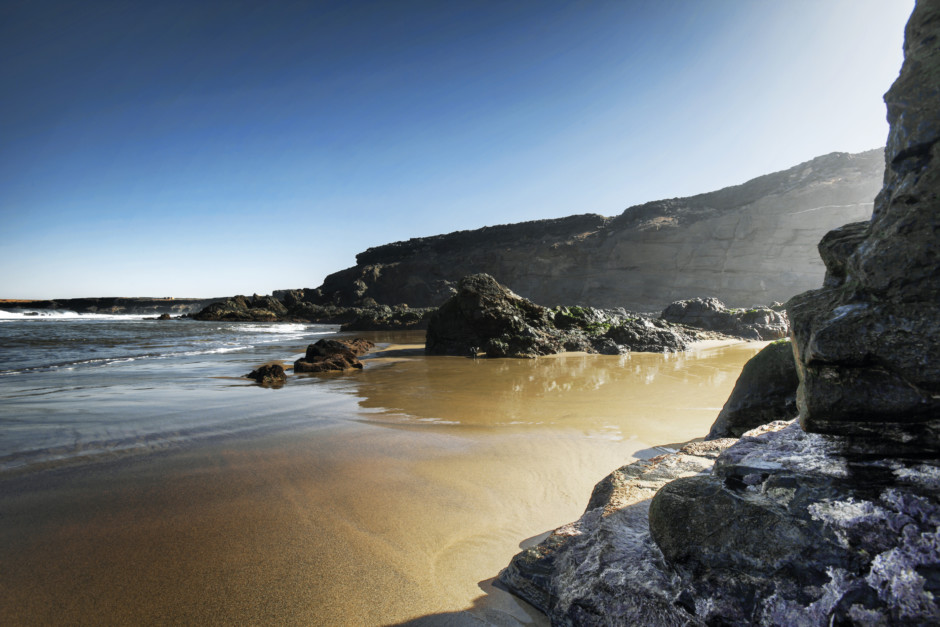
(402, 508)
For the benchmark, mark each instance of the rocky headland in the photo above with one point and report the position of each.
(113, 305)
(751, 243)
(831, 519)
(289, 306)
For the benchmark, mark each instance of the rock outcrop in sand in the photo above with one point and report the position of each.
(484, 316)
(751, 243)
(832, 520)
(333, 355)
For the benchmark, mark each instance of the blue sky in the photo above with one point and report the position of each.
(214, 148)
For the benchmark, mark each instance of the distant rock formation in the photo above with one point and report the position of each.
(287, 306)
(242, 309)
(832, 520)
(755, 323)
(484, 316)
(113, 305)
(751, 243)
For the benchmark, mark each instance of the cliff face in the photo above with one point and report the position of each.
(834, 520)
(868, 342)
(751, 243)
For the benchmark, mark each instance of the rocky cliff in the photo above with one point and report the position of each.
(751, 243)
(831, 520)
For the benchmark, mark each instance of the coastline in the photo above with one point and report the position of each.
(403, 505)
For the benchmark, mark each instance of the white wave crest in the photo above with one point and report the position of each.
(47, 314)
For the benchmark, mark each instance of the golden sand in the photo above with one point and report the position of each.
(402, 511)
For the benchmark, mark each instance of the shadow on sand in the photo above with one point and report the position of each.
(495, 608)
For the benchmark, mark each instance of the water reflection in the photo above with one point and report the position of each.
(604, 396)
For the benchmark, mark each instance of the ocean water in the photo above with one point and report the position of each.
(75, 386)
(143, 480)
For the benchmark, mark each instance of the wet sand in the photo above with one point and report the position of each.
(402, 509)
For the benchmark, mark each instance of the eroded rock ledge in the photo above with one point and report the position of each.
(778, 528)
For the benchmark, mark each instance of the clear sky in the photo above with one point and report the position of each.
(214, 148)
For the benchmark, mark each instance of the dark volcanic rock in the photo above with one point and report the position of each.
(765, 392)
(293, 308)
(784, 532)
(868, 341)
(486, 316)
(757, 323)
(332, 355)
(241, 309)
(269, 375)
(646, 335)
(383, 318)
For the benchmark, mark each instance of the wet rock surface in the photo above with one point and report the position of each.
(783, 530)
(755, 323)
(484, 316)
(333, 355)
(604, 569)
(269, 375)
(765, 392)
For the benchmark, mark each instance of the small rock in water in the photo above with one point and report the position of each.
(333, 355)
(269, 375)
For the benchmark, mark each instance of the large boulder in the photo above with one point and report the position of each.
(604, 569)
(269, 375)
(765, 392)
(773, 529)
(756, 323)
(328, 355)
(486, 316)
(783, 532)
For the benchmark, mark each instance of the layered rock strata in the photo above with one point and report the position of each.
(751, 243)
(868, 341)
